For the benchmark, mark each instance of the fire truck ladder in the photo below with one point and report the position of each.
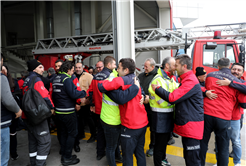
(145, 40)
(235, 31)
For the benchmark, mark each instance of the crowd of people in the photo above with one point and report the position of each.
(118, 106)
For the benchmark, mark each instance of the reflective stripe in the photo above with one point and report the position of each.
(162, 109)
(13, 133)
(33, 154)
(152, 97)
(111, 77)
(64, 112)
(110, 102)
(160, 101)
(57, 90)
(64, 79)
(64, 109)
(167, 82)
(6, 122)
(60, 84)
(41, 157)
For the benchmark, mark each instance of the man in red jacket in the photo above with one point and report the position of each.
(133, 116)
(188, 100)
(218, 112)
(237, 70)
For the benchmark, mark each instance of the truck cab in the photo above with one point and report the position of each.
(206, 53)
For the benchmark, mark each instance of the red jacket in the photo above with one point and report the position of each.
(76, 83)
(132, 114)
(223, 105)
(188, 100)
(93, 91)
(38, 86)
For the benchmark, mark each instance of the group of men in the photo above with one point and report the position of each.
(121, 108)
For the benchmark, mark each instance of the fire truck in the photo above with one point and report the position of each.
(210, 43)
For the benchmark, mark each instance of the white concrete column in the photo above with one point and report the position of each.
(164, 22)
(39, 20)
(125, 29)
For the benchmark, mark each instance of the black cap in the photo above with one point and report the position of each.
(200, 71)
(33, 64)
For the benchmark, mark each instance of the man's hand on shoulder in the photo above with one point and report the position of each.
(224, 82)
(155, 86)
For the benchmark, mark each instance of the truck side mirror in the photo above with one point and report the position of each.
(211, 45)
(241, 48)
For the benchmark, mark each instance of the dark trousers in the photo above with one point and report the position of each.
(161, 140)
(132, 142)
(68, 131)
(13, 137)
(101, 142)
(39, 143)
(112, 135)
(221, 129)
(84, 116)
(152, 133)
(191, 150)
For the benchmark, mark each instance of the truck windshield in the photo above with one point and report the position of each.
(211, 56)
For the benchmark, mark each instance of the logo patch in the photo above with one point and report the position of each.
(77, 84)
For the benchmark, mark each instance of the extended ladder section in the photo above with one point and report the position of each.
(235, 31)
(145, 40)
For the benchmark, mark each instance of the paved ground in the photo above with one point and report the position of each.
(87, 154)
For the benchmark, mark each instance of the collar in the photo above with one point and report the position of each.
(107, 69)
(64, 73)
(186, 74)
(152, 72)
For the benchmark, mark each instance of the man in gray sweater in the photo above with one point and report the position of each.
(8, 107)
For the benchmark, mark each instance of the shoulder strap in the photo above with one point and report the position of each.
(33, 82)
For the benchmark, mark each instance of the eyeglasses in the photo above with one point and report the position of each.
(99, 67)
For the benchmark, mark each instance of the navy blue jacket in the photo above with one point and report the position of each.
(188, 100)
(65, 94)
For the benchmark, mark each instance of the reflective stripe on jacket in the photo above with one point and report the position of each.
(110, 113)
(162, 111)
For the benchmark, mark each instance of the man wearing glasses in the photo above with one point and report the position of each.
(99, 66)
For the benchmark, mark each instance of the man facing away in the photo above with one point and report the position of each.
(8, 107)
(133, 115)
(237, 70)
(188, 100)
(218, 112)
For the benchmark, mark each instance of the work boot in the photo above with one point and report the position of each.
(150, 152)
(171, 141)
(76, 148)
(73, 157)
(71, 161)
(119, 159)
(175, 135)
(91, 139)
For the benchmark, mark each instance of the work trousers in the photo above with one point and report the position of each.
(13, 137)
(222, 130)
(191, 148)
(112, 135)
(101, 142)
(132, 142)
(68, 131)
(152, 133)
(39, 142)
(161, 140)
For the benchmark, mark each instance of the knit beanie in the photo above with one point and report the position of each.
(200, 71)
(33, 64)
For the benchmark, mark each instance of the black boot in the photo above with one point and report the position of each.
(71, 161)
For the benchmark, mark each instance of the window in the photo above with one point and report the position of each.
(211, 56)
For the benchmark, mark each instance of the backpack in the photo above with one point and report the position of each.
(34, 106)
